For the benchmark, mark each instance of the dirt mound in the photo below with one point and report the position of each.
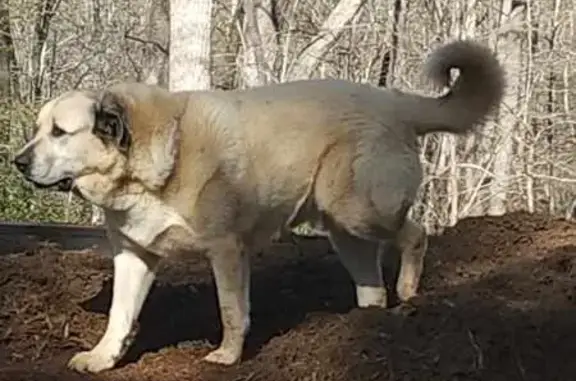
(496, 304)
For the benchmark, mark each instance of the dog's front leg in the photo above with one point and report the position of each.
(134, 273)
(231, 268)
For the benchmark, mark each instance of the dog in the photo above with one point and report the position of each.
(218, 173)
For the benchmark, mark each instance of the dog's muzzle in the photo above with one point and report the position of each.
(23, 163)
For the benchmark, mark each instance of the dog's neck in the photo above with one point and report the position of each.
(152, 162)
(155, 144)
(110, 189)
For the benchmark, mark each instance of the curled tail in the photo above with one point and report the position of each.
(474, 95)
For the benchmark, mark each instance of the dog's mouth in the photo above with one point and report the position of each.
(64, 185)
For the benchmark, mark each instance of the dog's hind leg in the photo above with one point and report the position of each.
(413, 243)
(133, 276)
(231, 268)
(361, 258)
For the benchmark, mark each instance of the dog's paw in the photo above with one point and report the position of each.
(368, 296)
(223, 356)
(406, 292)
(91, 362)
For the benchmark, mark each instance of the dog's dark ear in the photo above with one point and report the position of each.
(111, 122)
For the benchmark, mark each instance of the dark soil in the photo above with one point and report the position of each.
(497, 303)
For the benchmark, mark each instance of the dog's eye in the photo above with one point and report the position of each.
(57, 131)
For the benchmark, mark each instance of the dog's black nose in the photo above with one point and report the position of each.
(22, 161)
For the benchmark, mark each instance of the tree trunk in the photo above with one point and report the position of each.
(510, 54)
(155, 69)
(7, 58)
(190, 30)
(552, 105)
(46, 9)
(387, 70)
(268, 25)
(255, 69)
(330, 30)
(260, 42)
(8, 83)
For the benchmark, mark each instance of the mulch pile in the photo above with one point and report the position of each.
(497, 303)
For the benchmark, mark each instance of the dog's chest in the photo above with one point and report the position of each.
(175, 241)
(156, 227)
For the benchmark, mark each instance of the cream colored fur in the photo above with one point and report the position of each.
(219, 173)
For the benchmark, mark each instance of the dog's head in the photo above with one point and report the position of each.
(78, 134)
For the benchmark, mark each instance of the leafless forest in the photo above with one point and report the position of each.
(524, 159)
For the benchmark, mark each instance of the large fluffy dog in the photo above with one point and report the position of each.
(219, 173)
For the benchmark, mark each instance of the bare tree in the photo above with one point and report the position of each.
(7, 57)
(267, 19)
(552, 102)
(7, 62)
(190, 22)
(255, 68)
(309, 58)
(390, 57)
(45, 11)
(156, 42)
(510, 54)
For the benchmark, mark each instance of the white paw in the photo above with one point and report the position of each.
(406, 291)
(223, 356)
(91, 361)
(368, 296)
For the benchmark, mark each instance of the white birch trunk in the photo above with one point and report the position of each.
(189, 63)
(510, 54)
(329, 32)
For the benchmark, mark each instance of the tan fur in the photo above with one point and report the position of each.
(220, 173)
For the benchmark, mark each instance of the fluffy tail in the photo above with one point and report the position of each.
(475, 94)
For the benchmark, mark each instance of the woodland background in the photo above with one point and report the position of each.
(524, 159)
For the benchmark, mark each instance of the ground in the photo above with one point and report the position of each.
(497, 303)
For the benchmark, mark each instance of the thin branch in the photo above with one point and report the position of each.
(155, 44)
(552, 178)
